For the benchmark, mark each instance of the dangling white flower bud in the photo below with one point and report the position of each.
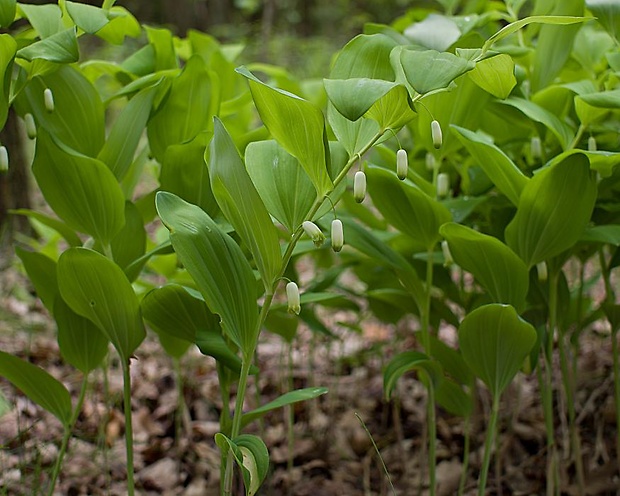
(430, 161)
(4, 159)
(592, 144)
(443, 184)
(31, 127)
(337, 235)
(447, 255)
(436, 134)
(541, 270)
(293, 299)
(402, 164)
(48, 100)
(359, 186)
(314, 233)
(536, 147)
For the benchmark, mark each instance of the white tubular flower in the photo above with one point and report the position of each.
(430, 161)
(447, 255)
(443, 185)
(31, 127)
(402, 164)
(314, 233)
(536, 147)
(337, 235)
(359, 186)
(293, 299)
(48, 100)
(541, 270)
(592, 144)
(436, 134)
(4, 159)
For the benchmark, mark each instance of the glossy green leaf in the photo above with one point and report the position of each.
(435, 32)
(431, 70)
(451, 361)
(406, 207)
(609, 234)
(120, 147)
(553, 210)
(242, 205)
(602, 99)
(61, 47)
(121, 24)
(96, 288)
(81, 190)
(451, 397)
(283, 185)
(251, 455)
(495, 75)
(495, 266)
(496, 164)
(607, 13)
(41, 271)
(163, 48)
(46, 19)
(81, 342)
(353, 97)
(129, 243)
(187, 111)
(60, 227)
(298, 125)
(87, 17)
(495, 342)
(83, 130)
(7, 12)
(38, 385)
(217, 265)
(392, 110)
(286, 399)
(7, 54)
(407, 362)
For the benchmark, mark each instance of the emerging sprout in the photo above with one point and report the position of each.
(48, 99)
(541, 270)
(314, 233)
(536, 147)
(402, 164)
(359, 186)
(436, 134)
(337, 235)
(447, 255)
(430, 161)
(4, 159)
(443, 185)
(292, 297)
(31, 127)
(592, 144)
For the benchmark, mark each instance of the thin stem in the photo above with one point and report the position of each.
(552, 466)
(432, 438)
(290, 418)
(67, 435)
(465, 466)
(430, 404)
(488, 445)
(128, 426)
(577, 137)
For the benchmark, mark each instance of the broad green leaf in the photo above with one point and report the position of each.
(607, 13)
(496, 164)
(96, 288)
(142, 64)
(609, 234)
(61, 47)
(281, 182)
(87, 17)
(38, 385)
(121, 24)
(251, 455)
(354, 96)
(81, 190)
(451, 397)
(7, 55)
(120, 147)
(286, 399)
(298, 125)
(451, 361)
(46, 19)
(41, 271)
(502, 273)
(392, 110)
(185, 173)
(431, 70)
(406, 362)
(81, 342)
(242, 205)
(78, 120)
(188, 109)
(7, 12)
(406, 207)
(129, 243)
(495, 75)
(537, 113)
(495, 342)
(163, 47)
(553, 211)
(217, 265)
(435, 32)
(60, 227)
(602, 99)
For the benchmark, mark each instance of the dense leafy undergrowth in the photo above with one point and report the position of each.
(455, 176)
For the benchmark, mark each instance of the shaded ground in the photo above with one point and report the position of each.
(332, 453)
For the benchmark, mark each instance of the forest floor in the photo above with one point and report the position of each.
(332, 453)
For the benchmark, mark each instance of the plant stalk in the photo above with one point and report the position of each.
(128, 427)
(488, 446)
